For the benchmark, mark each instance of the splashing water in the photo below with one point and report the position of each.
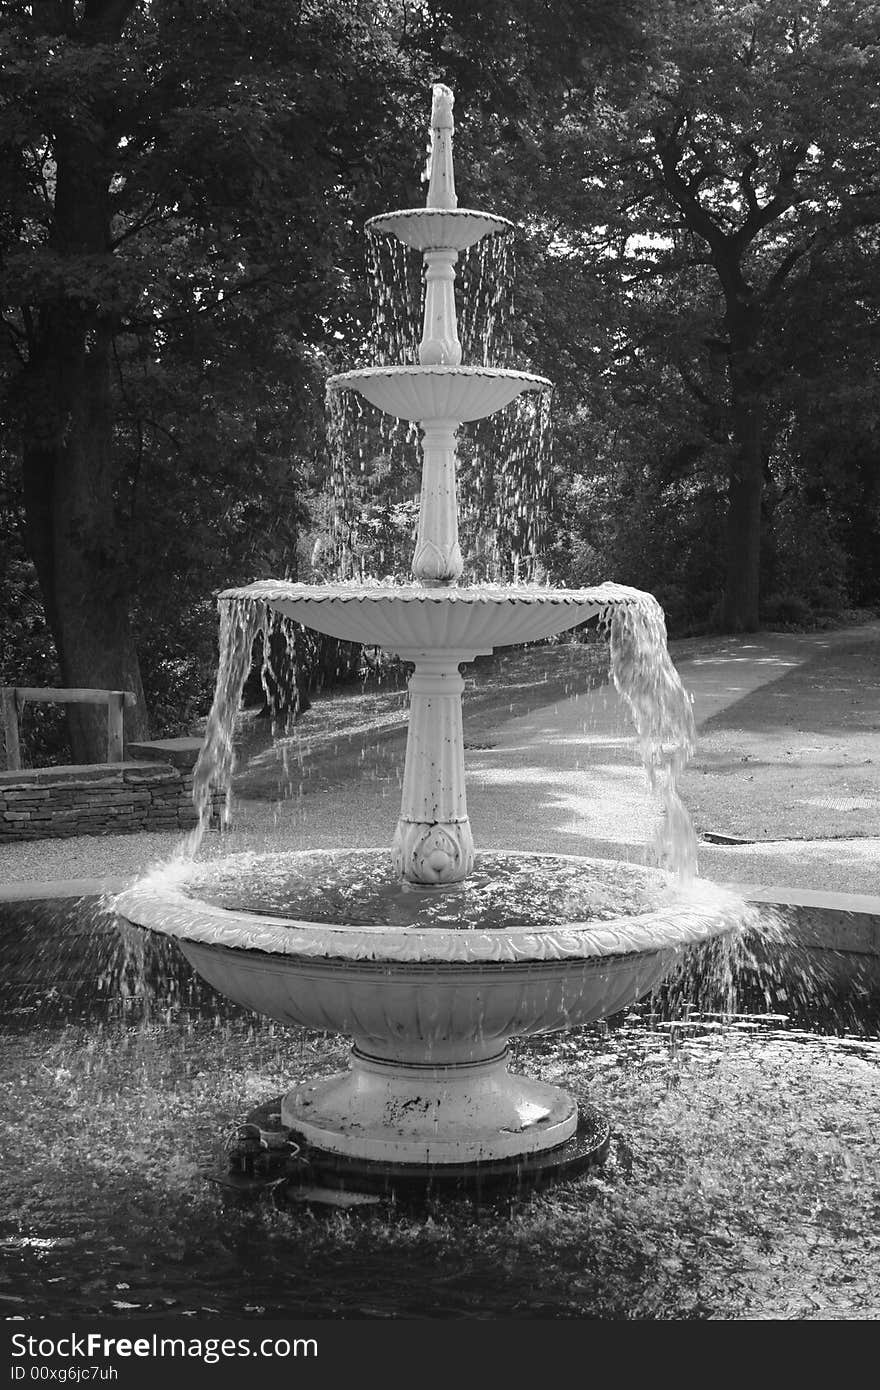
(374, 488)
(396, 299)
(505, 476)
(239, 624)
(766, 969)
(506, 465)
(243, 622)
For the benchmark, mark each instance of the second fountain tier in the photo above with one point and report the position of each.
(438, 630)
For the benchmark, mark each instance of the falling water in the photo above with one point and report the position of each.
(243, 622)
(505, 480)
(646, 679)
(485, 276)
(487, 273)
(374, 486)
(239, 624)
(507, 474)
(396, 298)
(641, 670)
(374, 457)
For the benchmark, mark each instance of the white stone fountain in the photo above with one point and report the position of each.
(432, 958)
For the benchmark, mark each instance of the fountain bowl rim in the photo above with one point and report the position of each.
(359, 591)
(689, 918)
(349, 379)
(457, 228)
(438, 213)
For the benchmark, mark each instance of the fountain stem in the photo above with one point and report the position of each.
(441, 176)
(440, 346)
(433, 841)
(437, 559)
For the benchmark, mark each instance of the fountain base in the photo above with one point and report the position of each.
(323, 1178)
(391, 1111)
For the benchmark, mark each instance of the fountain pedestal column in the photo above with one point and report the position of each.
(437, 558)
(433, 841)
(440, 345)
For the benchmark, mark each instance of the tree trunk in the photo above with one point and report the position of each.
(70, 488)
(71, 472)
(739, 608)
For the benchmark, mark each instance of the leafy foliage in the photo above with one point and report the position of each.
(708, 229)
(181, 264)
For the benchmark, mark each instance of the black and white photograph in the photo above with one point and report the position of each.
(439, 678)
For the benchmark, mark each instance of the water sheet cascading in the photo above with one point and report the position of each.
(431, 957)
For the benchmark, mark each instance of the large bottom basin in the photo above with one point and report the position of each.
(430, 983)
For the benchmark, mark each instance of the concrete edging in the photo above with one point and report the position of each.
(844, 922)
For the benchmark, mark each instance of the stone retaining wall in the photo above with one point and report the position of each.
(107, 799)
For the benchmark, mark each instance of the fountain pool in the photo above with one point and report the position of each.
(740, 1180)
(432, 956)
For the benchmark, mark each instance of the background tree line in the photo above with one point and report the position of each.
(184, 186)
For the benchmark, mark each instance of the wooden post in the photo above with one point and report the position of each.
(115, 705)
(10, 727)
(14, 697)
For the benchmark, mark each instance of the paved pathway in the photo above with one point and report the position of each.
(567, 777)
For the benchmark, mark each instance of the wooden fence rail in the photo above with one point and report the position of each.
(16, 696)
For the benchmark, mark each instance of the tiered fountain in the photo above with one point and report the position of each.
(432, 957)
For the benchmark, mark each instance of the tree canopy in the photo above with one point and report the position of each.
(184, 187)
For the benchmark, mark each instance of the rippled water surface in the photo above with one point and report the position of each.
(361, 888)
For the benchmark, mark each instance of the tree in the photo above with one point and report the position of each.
(185, 183)
(160, 163)
(723, 175)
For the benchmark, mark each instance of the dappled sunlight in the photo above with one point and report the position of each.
(722, 659)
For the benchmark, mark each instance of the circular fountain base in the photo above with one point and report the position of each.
(321, 1177)
(392, 1111)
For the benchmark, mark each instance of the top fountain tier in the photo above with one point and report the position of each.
(439, 388)
(441, 225)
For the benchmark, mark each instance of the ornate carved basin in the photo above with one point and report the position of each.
(429, 229)
(431, 1006)
(405, 618)
(439, 392)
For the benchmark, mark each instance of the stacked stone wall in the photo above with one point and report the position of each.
(109, 799)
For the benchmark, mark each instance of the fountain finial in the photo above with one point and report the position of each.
(441, 185)
(441, 110)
